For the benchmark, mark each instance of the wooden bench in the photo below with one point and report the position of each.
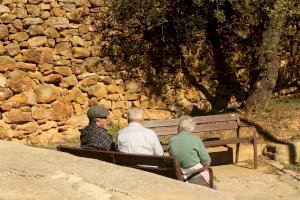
(167, 166)
(209, 123)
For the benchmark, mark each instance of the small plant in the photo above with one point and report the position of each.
(295, 167)
(113, 130)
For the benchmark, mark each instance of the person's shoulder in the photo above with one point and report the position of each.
(196, 138)
(148, 131)
(123, 131)
(174, 138)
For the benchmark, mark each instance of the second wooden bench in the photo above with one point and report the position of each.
(209, 123)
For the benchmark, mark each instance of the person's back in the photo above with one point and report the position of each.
(135, 138)
(191, 153)
(189, 149)
(95, 136)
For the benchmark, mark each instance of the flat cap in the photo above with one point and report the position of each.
(97, 111)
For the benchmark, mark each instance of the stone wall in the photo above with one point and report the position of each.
(46, 84)
(52, 70)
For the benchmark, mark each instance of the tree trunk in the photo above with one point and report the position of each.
(269, 61)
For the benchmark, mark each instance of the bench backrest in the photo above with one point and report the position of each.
(203, 123)
(166, 165)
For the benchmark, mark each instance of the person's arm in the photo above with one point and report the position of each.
(158, 150)
(113, 146)
(107, 142)
(205, 159)
(170, 150)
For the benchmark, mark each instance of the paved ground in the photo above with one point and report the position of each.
(248, 184)
(35, 173)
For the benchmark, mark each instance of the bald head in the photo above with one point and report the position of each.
(135, 114)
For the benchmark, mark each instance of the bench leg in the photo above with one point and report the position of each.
(211, 178)
(255, 151)
(237, 152)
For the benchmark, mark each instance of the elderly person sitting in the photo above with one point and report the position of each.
(191, 152)
(95, 135)
(135, 138)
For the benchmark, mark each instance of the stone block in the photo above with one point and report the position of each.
(16, 116)
(7, 63)
(98, 91)
(19, 81)
(47, 93)
(62, 109)
(42, 112)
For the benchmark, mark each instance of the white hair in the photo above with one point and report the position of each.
(135, 114)
(186, 124)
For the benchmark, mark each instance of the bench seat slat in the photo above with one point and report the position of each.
(129, 160)
(215, 143)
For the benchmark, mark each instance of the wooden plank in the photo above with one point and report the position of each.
(120, 158)
(162, 165)
(85, 153)
(211, 178)
(216, 126)
(177, 169)
(215, 143)
(255, 150)
(171, 130)
(129, 160)
(215, 118)
(159, 123)
(199, 120)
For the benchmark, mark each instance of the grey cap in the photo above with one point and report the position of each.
(97, 111)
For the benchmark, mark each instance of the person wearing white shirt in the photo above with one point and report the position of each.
(135, 138)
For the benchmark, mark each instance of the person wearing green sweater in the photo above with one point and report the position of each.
(191, 153)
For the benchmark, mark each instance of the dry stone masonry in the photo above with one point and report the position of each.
(52, 69)
(47, 76)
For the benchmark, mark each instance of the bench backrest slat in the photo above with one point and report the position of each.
(203, 123)
(215, 118)
(216, 126)
(164, 165)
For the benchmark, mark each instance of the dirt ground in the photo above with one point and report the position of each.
(265, 183)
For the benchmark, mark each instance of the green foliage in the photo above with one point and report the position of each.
(295, 167)
(192, 42)
(113, 130)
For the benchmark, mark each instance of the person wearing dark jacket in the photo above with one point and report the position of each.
(95, 136)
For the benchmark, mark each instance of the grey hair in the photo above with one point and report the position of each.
(135, 114)
(186, 124)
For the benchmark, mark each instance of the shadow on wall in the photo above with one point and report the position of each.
(178, 41)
